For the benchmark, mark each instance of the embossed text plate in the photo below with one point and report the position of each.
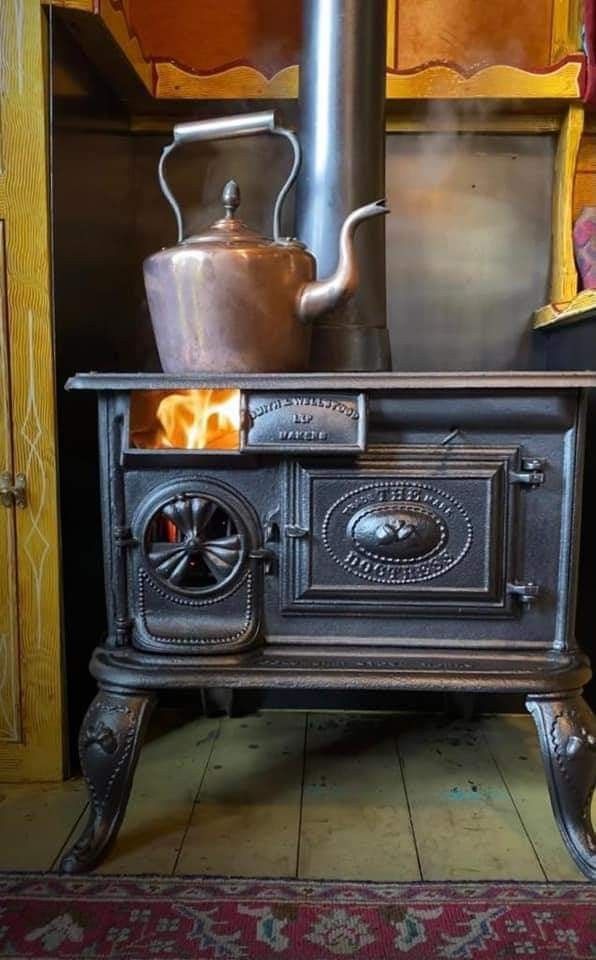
(303, 420)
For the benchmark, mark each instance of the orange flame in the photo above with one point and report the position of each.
(193, 420)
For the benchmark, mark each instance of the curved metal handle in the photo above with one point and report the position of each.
(228, 128)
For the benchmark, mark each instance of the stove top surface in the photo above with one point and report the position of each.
(466, 380)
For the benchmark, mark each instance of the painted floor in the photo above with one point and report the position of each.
(328, 795)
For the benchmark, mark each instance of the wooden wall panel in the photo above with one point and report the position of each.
(214, 35)
(472, 35)
(246, 49)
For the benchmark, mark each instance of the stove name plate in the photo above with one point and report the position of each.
(303, 421)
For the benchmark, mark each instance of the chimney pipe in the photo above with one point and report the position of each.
(342, 132)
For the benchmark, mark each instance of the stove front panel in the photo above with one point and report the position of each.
(454, 528)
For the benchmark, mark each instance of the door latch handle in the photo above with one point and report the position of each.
(13, 494)
(261, 553)
(531, 472)
(271, 526)
(526, 593)
(265, 556)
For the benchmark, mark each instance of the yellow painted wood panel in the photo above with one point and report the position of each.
(87, 5)
(514, 746)
(392, 6)
(36, 820)
(465, 823)
(566, 28)
(355, 820)
(564, 281)
(24, 209)
(433, 82)
(247, 819)
(10, 714)
(490, 83)
(166, 783)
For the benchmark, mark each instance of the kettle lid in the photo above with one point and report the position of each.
(229, 229)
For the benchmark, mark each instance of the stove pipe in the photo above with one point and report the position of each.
(342, 133)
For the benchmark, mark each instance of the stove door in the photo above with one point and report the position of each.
(412, 530)
(195, 574)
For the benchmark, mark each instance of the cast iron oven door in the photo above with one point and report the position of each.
(405, 530)
(195, 575)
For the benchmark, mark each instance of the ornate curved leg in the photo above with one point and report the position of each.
(109, 743)
(567, 731)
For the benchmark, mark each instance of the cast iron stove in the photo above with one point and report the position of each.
(369, 531)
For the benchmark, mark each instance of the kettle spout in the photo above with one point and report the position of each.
(320, 296)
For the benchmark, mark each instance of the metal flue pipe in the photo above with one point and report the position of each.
(342, 132)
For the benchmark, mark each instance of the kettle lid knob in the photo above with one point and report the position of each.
(230, 199)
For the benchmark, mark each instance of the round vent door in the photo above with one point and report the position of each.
(195, 543)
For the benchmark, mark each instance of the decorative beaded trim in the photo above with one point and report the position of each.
(182, 601)
(200, 641)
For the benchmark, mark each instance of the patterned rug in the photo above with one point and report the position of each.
(44, 915)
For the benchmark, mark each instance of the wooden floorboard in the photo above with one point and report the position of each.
(466, 825)
(355, 820)
(267, 796)
(35, 822)
(514, 746)
(168, 778)
(247, 818)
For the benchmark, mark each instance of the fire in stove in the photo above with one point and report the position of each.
(202, 419)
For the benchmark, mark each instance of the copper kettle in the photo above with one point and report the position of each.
(230, 300)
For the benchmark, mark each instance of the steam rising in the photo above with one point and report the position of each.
(467, 241)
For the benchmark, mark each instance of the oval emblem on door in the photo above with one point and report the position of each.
(398, 531)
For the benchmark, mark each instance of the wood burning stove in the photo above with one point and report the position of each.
(376, 531)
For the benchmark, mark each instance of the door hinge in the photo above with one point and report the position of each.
(295, 531)
(531, 472)
(13, 494)
(123, 538)
(526, 593)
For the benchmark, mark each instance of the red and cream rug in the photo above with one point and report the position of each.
(153, 918)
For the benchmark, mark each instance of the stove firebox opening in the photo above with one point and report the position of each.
(197, 419)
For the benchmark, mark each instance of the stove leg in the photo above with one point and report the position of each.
(567, 732)
(109, 743)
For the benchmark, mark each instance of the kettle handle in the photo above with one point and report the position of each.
(227, 128)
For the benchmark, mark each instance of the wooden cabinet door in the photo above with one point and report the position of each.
(31, 701)
(10, 694)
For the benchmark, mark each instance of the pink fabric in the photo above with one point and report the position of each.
(45, 915)
(584, 243)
